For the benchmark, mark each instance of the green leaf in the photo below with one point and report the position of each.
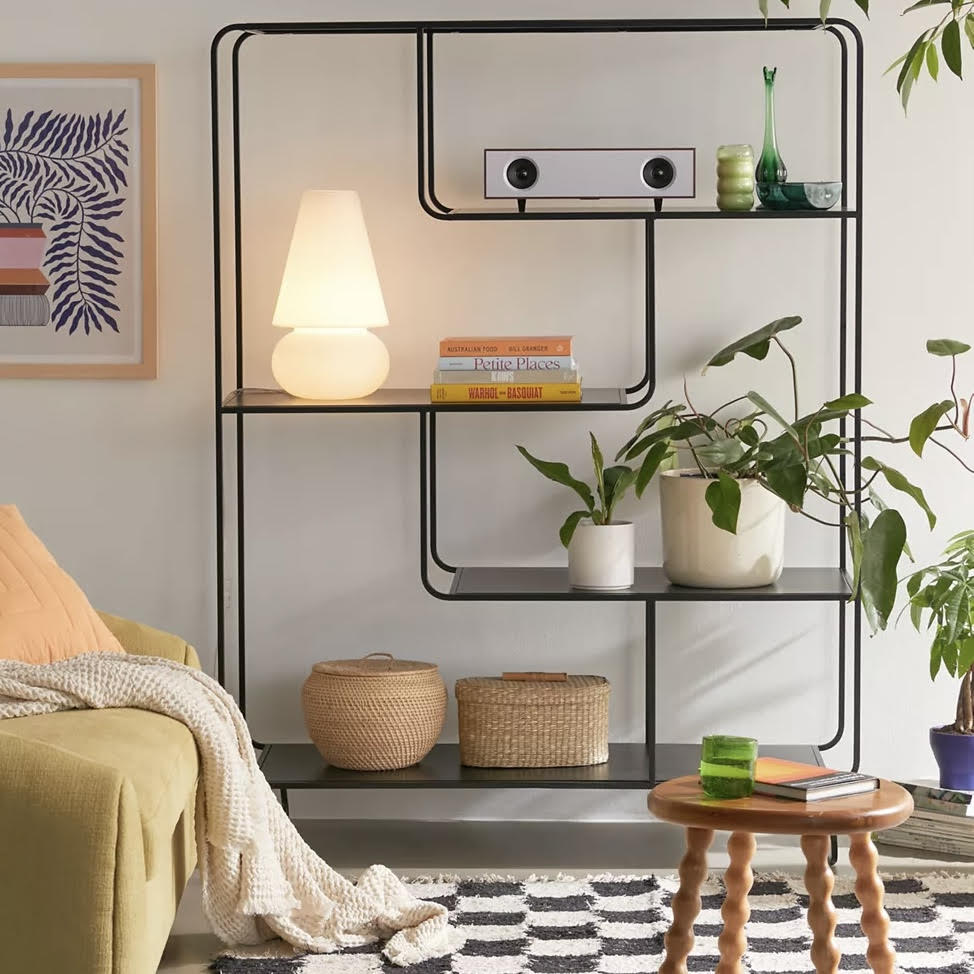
(763, 7)
(748, 435)
(950, 45)
(720, 453)
(560, 474)
(823, 9)
(848, 402)
(567, 530)
(854, 534)
(599, 464)
(936, 657)
(684, 430)
(969, 28)
(863, 5)
(617, 481)
(924, 3)
(650, 465)
(882, 545)
(960, 542)
(789, 481)
(905, 76)
(880, 505)
(755, 344)
(663, 417)
(923, 425)
(897, 481)
(723, 497)
(946, 347)
(763, 404)
(933, 61)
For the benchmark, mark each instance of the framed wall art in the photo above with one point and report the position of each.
(77, 221)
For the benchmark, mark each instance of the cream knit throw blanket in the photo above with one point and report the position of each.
(260, 878)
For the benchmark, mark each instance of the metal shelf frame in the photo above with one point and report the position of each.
(301, 769)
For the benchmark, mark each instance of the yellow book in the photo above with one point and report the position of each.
(514, 392)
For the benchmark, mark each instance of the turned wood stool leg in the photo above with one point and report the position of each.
(870, 892)
(686, 903)
(819, 882)
(736, 910)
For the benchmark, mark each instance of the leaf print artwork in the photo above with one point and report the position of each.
(68, 174)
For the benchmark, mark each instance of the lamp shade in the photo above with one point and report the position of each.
(330, 279)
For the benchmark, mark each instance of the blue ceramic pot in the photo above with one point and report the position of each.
(955, 756)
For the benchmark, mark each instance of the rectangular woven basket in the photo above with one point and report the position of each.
(538, 724)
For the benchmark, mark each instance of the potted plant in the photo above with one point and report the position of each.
(720, 530)
(601, 550)
(942, 599)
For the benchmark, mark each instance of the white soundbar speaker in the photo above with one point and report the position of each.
(590, 173)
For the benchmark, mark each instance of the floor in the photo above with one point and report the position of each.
(518, 849)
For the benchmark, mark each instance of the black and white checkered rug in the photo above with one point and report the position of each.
(615, 925)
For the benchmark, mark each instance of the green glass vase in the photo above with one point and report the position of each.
(771, 167)
(727, 766)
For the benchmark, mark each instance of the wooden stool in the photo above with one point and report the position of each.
(682, 802)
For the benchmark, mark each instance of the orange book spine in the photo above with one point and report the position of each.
(520, 345)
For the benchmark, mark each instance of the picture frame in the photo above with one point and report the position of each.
(78, 221)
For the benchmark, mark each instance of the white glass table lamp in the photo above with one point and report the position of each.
(330, 297)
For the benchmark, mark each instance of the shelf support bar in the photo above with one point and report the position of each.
(430, 153)
(648, 380)
(440, 563)
(238, 370)
(650, 702)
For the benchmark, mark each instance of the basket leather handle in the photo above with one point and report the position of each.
(535, 677)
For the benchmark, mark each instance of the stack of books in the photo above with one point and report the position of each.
(23, 286)
(515, 369)
(942, 823)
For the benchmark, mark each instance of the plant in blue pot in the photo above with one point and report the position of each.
(942, 601)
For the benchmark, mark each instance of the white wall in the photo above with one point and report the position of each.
(117, 477)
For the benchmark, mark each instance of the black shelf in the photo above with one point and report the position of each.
(536, 212)
(290, 766)
(630, 766)
(408, 401)
(544, 584)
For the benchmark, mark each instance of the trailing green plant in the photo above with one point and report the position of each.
(802, 458)
(951, 32)
(944, 594)
(611, 485)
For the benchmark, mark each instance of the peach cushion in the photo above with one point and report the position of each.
(44, 616)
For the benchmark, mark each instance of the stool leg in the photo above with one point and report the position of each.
(686, 903)
(870, 892)
(819, 882)
(736, 910)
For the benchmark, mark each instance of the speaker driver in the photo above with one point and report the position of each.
(522, 174)
(658, 173)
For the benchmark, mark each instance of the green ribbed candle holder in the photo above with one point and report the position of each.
(727, 766)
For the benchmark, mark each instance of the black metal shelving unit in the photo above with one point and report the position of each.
(630, 766)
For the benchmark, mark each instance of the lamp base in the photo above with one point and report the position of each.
(330, 363)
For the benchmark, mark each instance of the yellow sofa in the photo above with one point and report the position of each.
(97, 836)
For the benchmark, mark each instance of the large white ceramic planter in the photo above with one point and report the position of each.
(697, 553)
(602, 556)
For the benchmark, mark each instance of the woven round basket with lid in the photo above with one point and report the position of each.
(377, 713)
(533, 723)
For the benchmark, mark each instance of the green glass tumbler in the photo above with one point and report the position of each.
(727, 766)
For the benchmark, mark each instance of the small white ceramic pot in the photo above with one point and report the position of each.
(602, 556)
(697, 553)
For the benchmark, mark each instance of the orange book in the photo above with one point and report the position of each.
(807, 782)
(508, 345)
